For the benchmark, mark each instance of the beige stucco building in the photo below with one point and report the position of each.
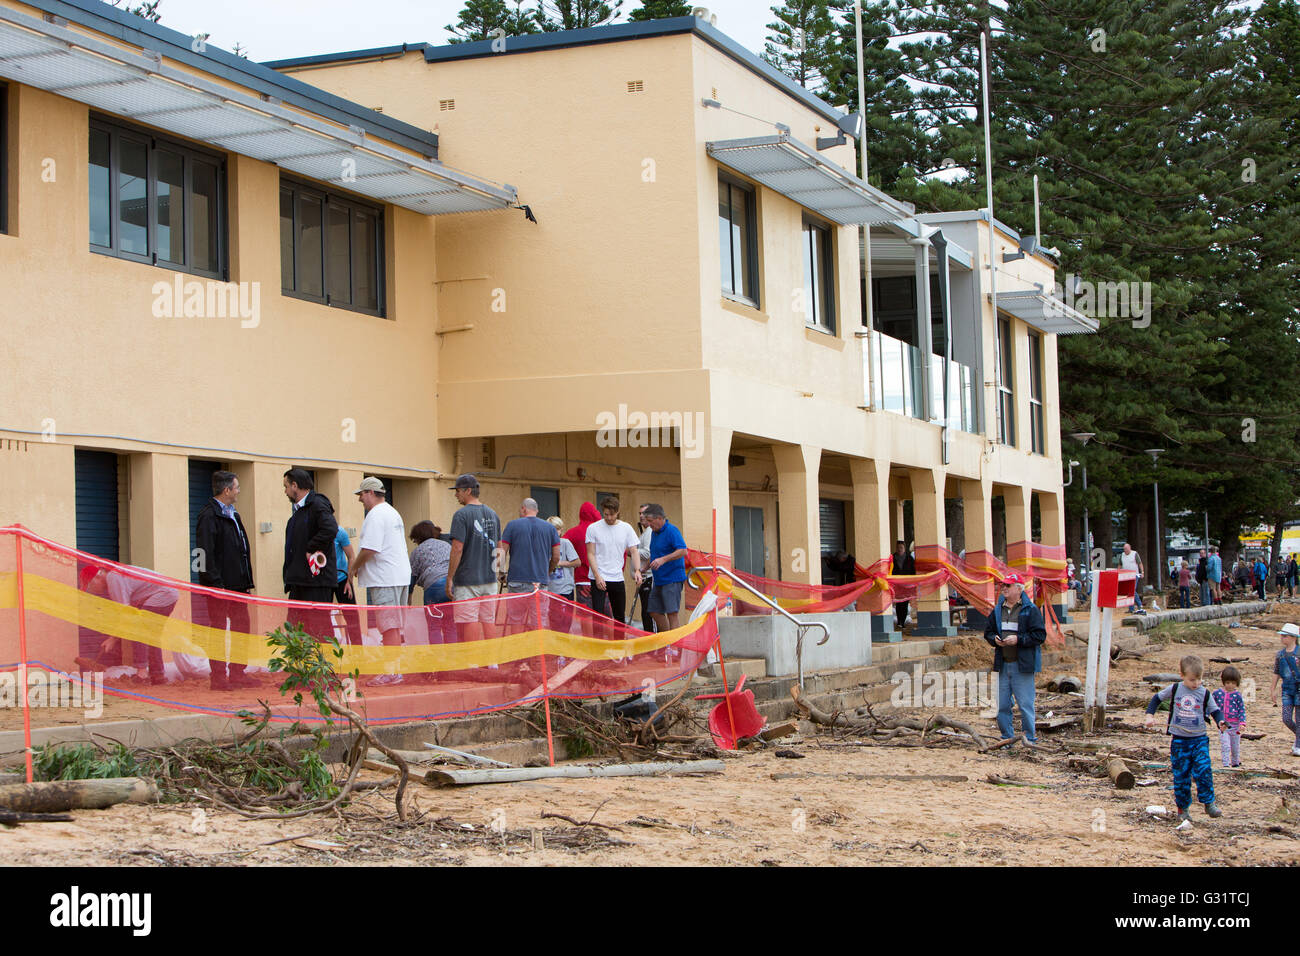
(694, 267)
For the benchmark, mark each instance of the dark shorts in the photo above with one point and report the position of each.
(666, 598)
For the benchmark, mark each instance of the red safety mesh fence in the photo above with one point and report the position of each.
(975, 576)
(155, 642)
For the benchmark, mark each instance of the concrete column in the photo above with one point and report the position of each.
(925, 337)
(262, 505)
(158, 509)
(1052, 517)
(339, 485)
(977, 524)
(932, 617)
(705, 486)
(1017, 500)
(797, 494)
(872, 511)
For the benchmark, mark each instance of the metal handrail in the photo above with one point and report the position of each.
(800, 626)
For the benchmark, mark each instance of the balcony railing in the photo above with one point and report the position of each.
(898, 372)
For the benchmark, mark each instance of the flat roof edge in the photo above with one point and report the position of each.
(129, 28)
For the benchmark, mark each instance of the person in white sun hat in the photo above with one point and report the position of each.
(1286, 668)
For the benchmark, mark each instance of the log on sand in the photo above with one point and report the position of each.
(869, 725)
(1120, 775)
(60, 795)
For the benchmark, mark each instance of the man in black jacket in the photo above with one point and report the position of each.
(904, 563)
(310, 570)
(224, 563)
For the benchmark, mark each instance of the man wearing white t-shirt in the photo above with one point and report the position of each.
(607, 542)
(383, 566)
(1130, 560)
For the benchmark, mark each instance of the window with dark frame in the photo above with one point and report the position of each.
(1037, 433)
(738, 240)
(331, 248)
(818, 276)
(157, 201)
(1006, 386)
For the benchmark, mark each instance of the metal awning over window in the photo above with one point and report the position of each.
(1045, 312)
(799, 173)
(135, 83)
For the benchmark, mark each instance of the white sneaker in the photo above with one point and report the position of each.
(1295, 751)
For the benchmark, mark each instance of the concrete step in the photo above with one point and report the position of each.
(906, 649)
(751, 667)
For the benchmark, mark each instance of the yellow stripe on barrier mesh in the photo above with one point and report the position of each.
(65, 603)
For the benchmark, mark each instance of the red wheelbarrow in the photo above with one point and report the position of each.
(738, 704)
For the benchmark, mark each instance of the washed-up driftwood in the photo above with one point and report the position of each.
(445, 777)
(1162, 678)
(891, 726)
(60, 795)
(465, 757)
(15, 817)
(1120, 775)
(1009, 782)
(1065, 684)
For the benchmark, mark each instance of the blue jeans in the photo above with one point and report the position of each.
(1205, 594)
(1185, 596)
(1013, 682)
(1290, 703)
(1189, 757)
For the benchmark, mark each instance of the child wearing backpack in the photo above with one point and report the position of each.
(1233, 705)
(1286, 668)
(1190, 706)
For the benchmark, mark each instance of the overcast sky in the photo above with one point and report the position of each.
(278, 29)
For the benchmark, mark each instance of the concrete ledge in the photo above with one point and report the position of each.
(773, 638)
(1211, 612)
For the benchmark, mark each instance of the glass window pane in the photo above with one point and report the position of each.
(366, 255)
(207, 217)
(133, 196)
(724, 238)
(171, 206)
(286, 239)
(740, 228)
(338, 265)
(810, 274)
(310, 277)
(100, 194)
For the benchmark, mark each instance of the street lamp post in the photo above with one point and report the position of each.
(1083, 438)
(1155, 454)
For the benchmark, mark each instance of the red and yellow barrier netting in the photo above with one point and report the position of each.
(158, 641)
(975, 577)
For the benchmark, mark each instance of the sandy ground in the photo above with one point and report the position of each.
(832, 806)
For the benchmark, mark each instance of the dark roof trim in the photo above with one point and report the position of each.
(612, 33)
(372, 54)
(175, 45)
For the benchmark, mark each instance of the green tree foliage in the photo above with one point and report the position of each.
(481, 19)
(660, 10)
(555, 15)
(801, 42)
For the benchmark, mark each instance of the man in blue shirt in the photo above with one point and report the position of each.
(533, 546)
(668, 563)
(1214, 570)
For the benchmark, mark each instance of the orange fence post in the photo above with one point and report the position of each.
(546, 690)
(22, 654)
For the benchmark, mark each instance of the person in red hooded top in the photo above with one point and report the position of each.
(577, 536)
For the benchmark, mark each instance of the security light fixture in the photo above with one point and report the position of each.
(850, 124)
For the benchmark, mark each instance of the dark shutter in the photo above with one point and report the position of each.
(96, 507)
(200, 494)
(832, 525)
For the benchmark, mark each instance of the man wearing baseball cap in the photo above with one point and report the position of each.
(472, 568)
(1015, 629)
(382, 566)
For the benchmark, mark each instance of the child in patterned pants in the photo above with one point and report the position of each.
(1233, 705)
(1190, 706)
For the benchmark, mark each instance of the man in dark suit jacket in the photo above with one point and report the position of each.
(224, 563)
(310, 570)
